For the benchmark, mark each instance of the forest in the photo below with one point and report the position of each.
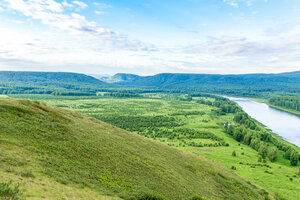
(290, 102)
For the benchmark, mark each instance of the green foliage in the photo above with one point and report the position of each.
(294, 158)
(233, 154)
(263, 151)
(9, 192)
(80, 151)
(56, 83)
(27, 174)
(197, 117)
(292, 103)
(272, 155)
(235, 85)
(196, 198)
(151, 197)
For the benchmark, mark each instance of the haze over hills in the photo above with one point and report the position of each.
(63, 154)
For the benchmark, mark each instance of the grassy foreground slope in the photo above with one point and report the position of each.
(58, 154)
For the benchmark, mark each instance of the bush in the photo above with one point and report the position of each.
(294, 158)
(27, 174)
(9, 192)
(273, 154)
(151, 197)
(233, 153)
(196, 198)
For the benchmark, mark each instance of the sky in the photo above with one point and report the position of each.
(147, 37)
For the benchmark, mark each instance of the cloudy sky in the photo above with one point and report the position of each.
(150, 36)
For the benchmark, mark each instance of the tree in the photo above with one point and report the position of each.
(233, 153)
(255, 143)
(262, 150)
(272, 155)
(294, 158)
(287, 154)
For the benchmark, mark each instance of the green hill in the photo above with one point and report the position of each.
(54, 153)
(46, 82)
(241, 83)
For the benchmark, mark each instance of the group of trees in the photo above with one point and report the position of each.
(118, 94)
(243, 118)
(137, 123)
(224, 105)
(260, 141)
(254, 139)
(292, 155)
(292, 103)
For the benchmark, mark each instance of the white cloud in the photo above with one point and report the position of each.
(231, 3)
(98, 12)
(236, 3)
(66, 4)
(50, 13)
(80, 4)
(102, 5)
(93, 48)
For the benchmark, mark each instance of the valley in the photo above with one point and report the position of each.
(192, 126)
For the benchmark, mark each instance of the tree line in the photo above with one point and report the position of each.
(292, 103)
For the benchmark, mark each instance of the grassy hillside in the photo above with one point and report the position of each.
(53, 153)
(39, 82)
(192, 126)
(246, 84)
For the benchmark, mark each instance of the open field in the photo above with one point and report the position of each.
(171, 121)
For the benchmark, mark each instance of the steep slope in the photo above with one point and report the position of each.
(55, 153)
(21, 81)
(214, 82)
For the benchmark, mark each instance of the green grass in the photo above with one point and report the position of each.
(275, 178)
(53, 153)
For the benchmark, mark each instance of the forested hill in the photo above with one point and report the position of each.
(214, 82)
(39, 82)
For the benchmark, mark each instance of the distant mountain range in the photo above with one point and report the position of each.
(242, 84)
(212, 82)
(19, 81)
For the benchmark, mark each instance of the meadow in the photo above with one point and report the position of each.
(53, 153)
(186, 124)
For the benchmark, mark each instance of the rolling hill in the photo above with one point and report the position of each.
(53, 153)
(39, 82)
(289, 82)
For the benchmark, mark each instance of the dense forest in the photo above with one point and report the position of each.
(62, 83)
(242, 85)
(292, 103)
(48, 82)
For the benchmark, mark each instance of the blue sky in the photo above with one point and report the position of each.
(150, 36)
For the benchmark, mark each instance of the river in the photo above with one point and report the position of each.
(282, 123)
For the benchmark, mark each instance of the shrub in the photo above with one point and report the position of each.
(294, 158)
(196, 198)
(151, 197)
(9, 192)
(273, 154)
(27, 174)
(233, 153)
